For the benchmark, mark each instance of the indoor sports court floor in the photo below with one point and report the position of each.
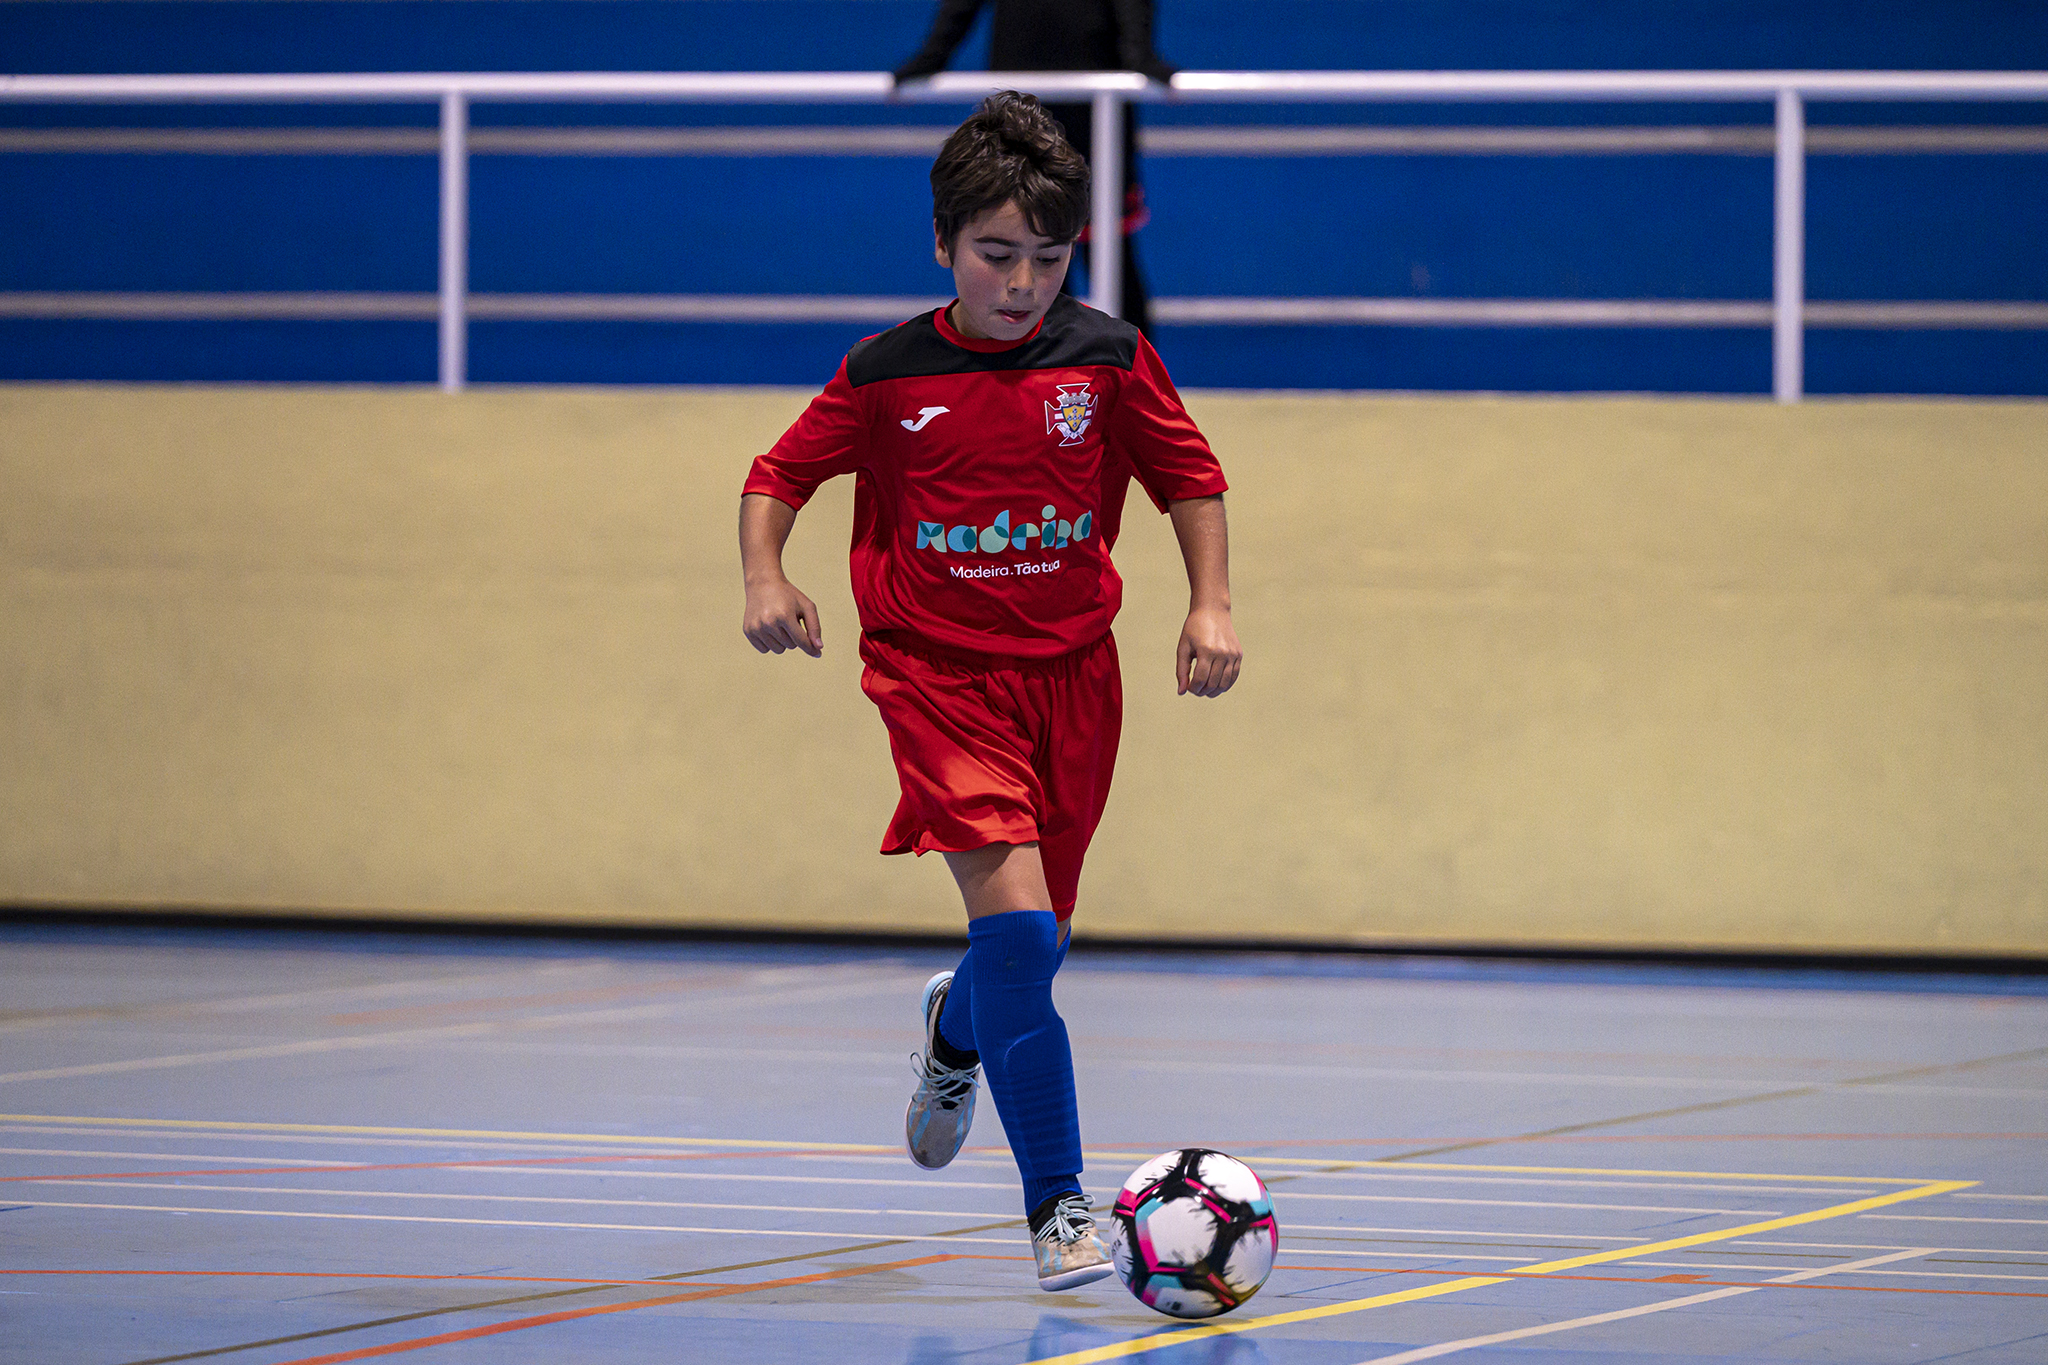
(268, 1146)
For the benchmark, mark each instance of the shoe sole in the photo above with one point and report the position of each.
(931, 988)
(1074, 1279)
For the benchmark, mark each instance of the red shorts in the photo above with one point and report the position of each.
(999, 750)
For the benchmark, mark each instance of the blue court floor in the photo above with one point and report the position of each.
(269, 1146)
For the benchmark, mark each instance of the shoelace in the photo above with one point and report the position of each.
(948, 1086)
(1070, 1220)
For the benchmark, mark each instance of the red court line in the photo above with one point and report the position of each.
(345, 1275)
(436, 1165)
(568, 1315)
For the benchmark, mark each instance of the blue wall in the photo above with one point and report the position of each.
(858, 35)
(1965, 227)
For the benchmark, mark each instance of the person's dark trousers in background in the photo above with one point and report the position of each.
(1134, 303)
(1066, 35)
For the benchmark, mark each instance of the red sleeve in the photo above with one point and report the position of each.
(830, 438)
(1151, 430)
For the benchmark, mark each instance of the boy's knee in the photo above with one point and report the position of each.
(1015, 949)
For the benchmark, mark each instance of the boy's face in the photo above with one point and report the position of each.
(1006, 274)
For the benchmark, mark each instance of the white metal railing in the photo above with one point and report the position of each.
(1787, 91)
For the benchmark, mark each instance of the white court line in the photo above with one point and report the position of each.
(1979, 1194)
(1912, 1274)
(1737, 1085)
(1495, 1338)
(1551, 1182)
(1106, 1060)
(514, 1198)
(168, 1156)
(1378, 1255)
(293, 999)
(1291, 1226)
(676, 1051)
(1730, 1265)
(1952, 1218)
(1121, 1065)
(584, 1018)
(1285, 1196)
(512, 1147)
(297, 999)
(679, 1051)
(1959, 1275)
(1111, 1064)
(1019, 1242)
(1975, 1092)
(727, 1177)
(1879, 1246)
(1436, 1076)
(479, 1168)
(751, 1208)
(1373, 1168)
(1549, 1238)
(1526, 1204)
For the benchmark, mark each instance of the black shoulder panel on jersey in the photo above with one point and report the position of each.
(1071, 335)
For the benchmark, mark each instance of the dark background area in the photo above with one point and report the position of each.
(1967, 226)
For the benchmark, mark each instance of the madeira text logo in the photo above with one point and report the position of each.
(1071, 415)
(1050, 532)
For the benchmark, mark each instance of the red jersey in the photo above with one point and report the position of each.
(990, 475)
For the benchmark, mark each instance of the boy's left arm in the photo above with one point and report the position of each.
(1208, 657)
(1151, 428)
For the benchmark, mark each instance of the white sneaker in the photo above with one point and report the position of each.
(1068, 1250)
(942, 1110)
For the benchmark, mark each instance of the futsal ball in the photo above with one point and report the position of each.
(1194, 1234)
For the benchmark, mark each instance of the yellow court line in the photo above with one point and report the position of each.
(1790, 1220)
(362, 1130)
(1124, 1349)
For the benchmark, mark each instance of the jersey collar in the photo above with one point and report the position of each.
(968, 343)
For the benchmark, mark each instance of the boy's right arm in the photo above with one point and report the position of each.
(830, 439)
(778, 617)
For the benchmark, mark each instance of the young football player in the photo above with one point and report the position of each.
(992, 442)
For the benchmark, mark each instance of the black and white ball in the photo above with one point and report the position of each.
(1193, 1233)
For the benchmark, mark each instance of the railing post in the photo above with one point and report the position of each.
(1788, 275)
(454, 240)
(1106, 227)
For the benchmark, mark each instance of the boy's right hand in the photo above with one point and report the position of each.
(780, 618)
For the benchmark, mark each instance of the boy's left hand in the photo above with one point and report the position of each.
(1208, 657)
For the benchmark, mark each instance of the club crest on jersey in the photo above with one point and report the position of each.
(1071, 414)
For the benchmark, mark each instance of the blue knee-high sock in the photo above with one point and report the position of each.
(1024, 1049)
(956, 1019)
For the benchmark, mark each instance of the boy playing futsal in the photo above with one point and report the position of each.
(992, 442)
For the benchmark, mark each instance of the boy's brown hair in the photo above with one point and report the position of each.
(1010, 148)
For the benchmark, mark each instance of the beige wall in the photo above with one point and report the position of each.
(1610, 672)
